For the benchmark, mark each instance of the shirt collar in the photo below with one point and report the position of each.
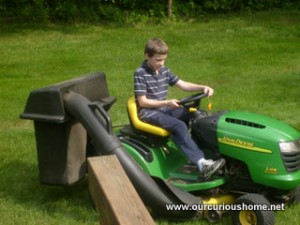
(148, 68)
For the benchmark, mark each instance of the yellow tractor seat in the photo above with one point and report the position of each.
(140, 125)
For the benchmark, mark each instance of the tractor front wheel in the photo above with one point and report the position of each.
(296, 195)
(248, 211)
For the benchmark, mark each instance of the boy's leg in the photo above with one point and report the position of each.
(180, 113)
(179, 133)
(181, 137)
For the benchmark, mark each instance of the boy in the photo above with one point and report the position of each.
(151, 83)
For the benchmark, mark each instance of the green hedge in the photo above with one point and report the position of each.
(128, 10)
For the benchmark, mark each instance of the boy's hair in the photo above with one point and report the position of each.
(156, 46)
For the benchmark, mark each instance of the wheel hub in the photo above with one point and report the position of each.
(248, 218)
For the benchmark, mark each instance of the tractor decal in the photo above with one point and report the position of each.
(243, 144)
(271, 170)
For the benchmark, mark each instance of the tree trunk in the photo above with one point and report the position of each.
(170, 2)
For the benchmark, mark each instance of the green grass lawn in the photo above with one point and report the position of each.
(252, 62)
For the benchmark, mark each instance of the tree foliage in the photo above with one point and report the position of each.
(129, 10)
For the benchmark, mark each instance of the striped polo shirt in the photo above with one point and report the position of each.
(154, 86)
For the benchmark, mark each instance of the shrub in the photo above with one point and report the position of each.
(128, 10)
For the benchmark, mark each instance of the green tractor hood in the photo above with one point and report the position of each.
(255, 140)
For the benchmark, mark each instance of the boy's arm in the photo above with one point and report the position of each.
(144, 102)
(188, 86)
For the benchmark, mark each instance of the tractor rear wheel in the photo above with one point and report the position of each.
(248, 212)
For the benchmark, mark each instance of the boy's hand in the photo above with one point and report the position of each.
(209, 91)
(173, 103)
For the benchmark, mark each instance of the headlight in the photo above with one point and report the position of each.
(290, 147)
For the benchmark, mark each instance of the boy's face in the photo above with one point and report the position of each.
(157, 61)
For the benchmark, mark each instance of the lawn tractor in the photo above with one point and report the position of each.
(262, 154)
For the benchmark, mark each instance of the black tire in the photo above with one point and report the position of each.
(296, 195)
(251, 217)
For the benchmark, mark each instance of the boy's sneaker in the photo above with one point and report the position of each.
(210, 167)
